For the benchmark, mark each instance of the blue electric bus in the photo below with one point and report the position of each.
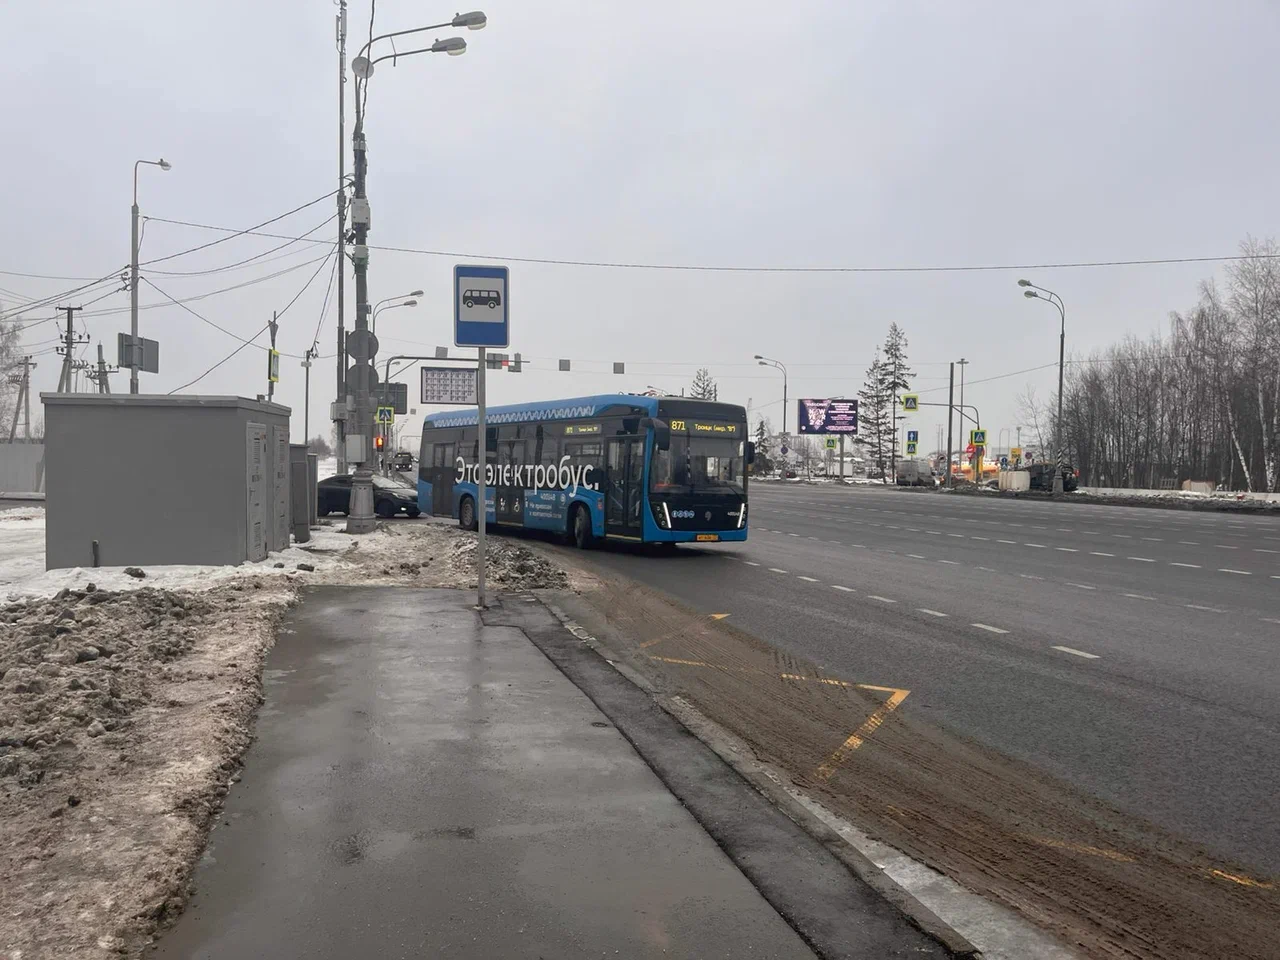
(614, 467)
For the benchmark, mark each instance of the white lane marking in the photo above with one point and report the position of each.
(815, 538)
(1270, 620)
(1078, 653)
(892, 526)
(1038, 546)
(937, 613)
(1154, 539)
(1006, 541)
(1190, 543)
(915, 556)
(1137, 596)
(979, 538)
(858, 545)
(836, 586)
(1142, 559)
(952, 562)
(988, 569)
(936, 533)
(872, 596)
(1122, 536)
(988, 627)
(1034, 527)
(1082, 586)
(913, 529)
(1196, 606)
(958, 535)
(1264, 550)
(776, 570)
(1030, 576)
(1067, 549)
(789, 534)
(1225, 546)
(1193, 566)
(751, 563)
(1240, 573)
(808, 579)
(1092, 533)
(1099, 553)
(1064, 529)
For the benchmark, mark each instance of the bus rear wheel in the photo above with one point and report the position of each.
(467, 514)
(583, 537)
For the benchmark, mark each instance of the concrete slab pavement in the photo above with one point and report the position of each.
(423, 784)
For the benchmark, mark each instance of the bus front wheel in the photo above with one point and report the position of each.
(467, 514)
(582, 535)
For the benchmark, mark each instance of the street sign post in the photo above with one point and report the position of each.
(481, 319)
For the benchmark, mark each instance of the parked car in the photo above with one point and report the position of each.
(403, 460)
(333, 495)
(915, 473)
(1042, 476)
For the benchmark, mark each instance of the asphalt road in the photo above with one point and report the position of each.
(1131, 652)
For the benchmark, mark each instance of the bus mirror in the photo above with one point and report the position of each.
(751, 453)
(661, 433)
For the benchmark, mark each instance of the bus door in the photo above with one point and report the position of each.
(624, 489)
(443, 472)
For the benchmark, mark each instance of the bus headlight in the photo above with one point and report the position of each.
(742, 516)
(662, 515)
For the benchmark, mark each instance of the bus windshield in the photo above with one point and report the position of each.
(697, 464)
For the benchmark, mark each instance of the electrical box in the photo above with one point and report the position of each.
(360, 212)
(357, 448)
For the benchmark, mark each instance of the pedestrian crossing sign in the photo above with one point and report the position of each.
(978, 438)
(830, 443)
(386, 414)
(910, 402)
(911, 448)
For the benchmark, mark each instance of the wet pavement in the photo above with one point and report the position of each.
(424, 785)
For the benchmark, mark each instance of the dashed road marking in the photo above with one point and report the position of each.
(1039, 546)
(1122, 536)
(959, 536)
(872, 596)
(1082, 586)
(937, 613)
(1067, 549)
(1137, 596)
(988, 627)
(915, 556)
(807, 579)
(936, 533)
(776, 570)
(1190, 543)
(979, 538)
(1030, 576)
(793, 534)
(1142, 559)
(1099, 553)
(954, 563)
(751, 563)
(1264, 550)
(1225, 546)
(1007, 541)
(1241, 573)
(1193, 566)
(1270, 620)
(1078, 653)
(1196, 606)
(1154, 539)
(836, 586)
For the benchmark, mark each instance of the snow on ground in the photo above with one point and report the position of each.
(126, 703)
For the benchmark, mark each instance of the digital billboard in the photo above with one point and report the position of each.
(828, 416)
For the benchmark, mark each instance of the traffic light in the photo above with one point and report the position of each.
(379, 442)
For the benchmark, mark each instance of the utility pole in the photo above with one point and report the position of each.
(69, 340)
(307, 357)
(361, 345)
(951, 409)
(340, 424)
(23, 383)
(963, 363)
(893, 406)
(102, 373)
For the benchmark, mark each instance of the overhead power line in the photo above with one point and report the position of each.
(260, 258)
(719, 268)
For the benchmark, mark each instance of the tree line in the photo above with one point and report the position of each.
(1200, 401)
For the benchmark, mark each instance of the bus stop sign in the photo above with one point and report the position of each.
(480, 306)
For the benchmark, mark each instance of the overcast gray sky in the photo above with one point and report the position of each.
(799, 134)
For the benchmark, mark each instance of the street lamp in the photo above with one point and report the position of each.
(378, 310)
(1040, 293)
(778, 365)
(362, 373)
(134, 353)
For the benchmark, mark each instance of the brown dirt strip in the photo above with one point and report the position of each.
(1105, 881)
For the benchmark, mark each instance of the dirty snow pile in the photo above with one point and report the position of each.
(121, 718)
(127, 697)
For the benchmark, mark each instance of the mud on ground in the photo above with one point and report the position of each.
(1107, 882)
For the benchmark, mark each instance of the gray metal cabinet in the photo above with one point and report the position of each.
(256, 469)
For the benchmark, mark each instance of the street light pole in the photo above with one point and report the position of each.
(778, 365)
(340, 424)
(383, 305)
(135, 354)
(1041, 293)
(362, 346)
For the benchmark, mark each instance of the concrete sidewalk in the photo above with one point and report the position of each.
(423, 785)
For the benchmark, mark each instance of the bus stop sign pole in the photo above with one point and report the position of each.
(482, 491)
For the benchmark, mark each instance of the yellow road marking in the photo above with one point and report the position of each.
(685, 663)
(669, 635)
(859, 736)
(1243, 881)
(718, 616)
(1085, 848)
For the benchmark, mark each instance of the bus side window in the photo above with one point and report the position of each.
(548, 452)
(426, 456)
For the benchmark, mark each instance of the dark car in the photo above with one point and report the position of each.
(402, 460)
(333, 495)
(1042, 476)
